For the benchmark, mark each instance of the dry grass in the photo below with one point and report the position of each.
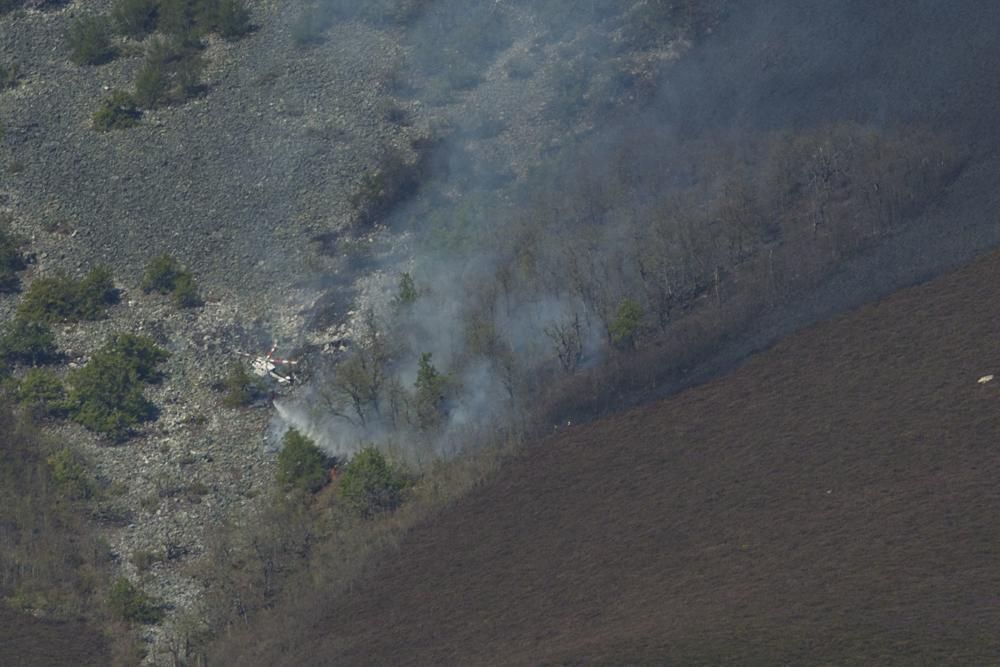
(833, 501)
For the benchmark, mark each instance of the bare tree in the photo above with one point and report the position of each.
(567, 337)
(355, 391)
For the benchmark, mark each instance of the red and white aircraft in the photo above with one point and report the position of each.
(280, 370)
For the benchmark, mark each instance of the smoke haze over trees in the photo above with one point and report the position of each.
(660, 189)
(476, 221)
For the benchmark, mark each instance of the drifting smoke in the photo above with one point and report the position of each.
(588, 152)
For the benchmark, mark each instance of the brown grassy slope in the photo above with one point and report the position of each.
(30, 642)
(834, 500)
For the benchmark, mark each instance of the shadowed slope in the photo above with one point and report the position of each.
(834, 499)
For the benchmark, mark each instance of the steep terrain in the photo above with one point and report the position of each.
(832, 501)
(250, 185)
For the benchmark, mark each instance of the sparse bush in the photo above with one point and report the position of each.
(301, 464)
(42, 393)
(170, 74)
(140, 353)
(242, 388)
(11, 260)
(161, 275)
(430, 387)
(106, 394)
(625, 327)
(181, 18)
(166, 276)
(191, 19)
(394, 180)
(70, 474)
(60, 298)
(195, 490)
(97, 290)
(231, 19)
(89, 41)
(407, 291)
(134, 18)
(143, 559)
(131, 604)
(9, 76)
(185, 293)
(117, 111)
(369, 485)
(9, 5)
(28, 342)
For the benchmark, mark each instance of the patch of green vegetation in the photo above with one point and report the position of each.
(231, 19)
(625, 327)
(161, 275)
(52, 559)
(141, 354)
(130, 603)
(106, 395)
(191, 19)
(28, 342)
(369, 485)
(116, 112)
(430, 388)
(41, 392)
(301, 464)
(165, 276)
(186, 293)
(60, 298)
(89, 41)
(406, 293)
(180, 18)
(70, 474)
(242, 387)
(171, 73)
(134, 18)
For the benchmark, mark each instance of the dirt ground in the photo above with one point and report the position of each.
(832, 501)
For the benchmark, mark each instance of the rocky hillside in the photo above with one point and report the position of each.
(249, 185)
(513, 156)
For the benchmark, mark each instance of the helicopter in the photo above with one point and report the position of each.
(281, 371)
